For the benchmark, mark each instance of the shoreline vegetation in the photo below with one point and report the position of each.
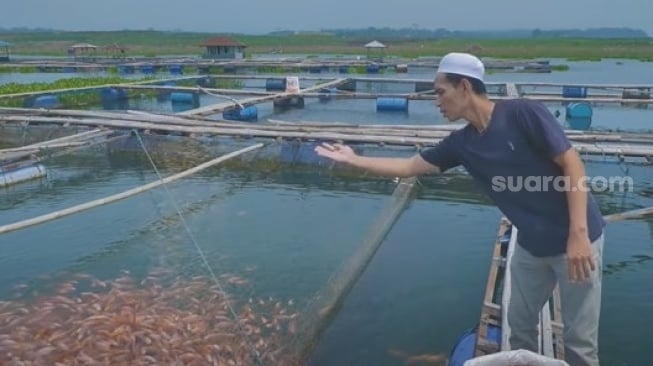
(159, 43)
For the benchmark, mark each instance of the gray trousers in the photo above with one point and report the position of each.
(532, 282)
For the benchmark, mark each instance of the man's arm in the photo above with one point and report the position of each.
(394, 167)
(389, 167)
(580, 263)
(572, 167)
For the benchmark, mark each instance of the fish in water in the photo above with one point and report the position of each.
(426, 359)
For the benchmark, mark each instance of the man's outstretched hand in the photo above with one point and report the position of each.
(338, 152)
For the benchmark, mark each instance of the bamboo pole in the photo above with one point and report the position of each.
(49, 146)
(76, 137)
(629, 215)
(120, 196)
(361, 136)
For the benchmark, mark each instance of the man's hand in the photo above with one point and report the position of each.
(580, 263)
(338, 152)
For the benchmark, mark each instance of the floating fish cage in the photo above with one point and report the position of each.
(215, 231)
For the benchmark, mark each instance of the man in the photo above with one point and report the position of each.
(516, 150)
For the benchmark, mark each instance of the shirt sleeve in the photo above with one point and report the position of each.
(542, 129)
(444, 154)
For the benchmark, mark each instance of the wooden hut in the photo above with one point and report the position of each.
(375, 51)
(223, 48)
(83, 52)
(4, 55)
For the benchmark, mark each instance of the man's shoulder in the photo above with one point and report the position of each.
(518, 103)
(461, 133)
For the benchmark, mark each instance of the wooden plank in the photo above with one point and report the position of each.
(490, 311)
(557, 325)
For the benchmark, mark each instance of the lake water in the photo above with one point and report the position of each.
(288, 228)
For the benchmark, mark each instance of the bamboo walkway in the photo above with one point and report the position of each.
(603, 144)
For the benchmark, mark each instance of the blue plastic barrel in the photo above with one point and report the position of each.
(392, 104)
(579, 115)
(275, 84)
(248, 114)
(176, 69)
(185, 98)
(126, 69)
(372, 68)
(574, 92)
(147, 69)
(46, 101)
(343, 69)
(463, 349)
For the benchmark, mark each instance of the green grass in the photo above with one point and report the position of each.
(154, 43)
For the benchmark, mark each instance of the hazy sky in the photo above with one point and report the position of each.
(260, 16)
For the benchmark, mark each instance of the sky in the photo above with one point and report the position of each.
(262, 16)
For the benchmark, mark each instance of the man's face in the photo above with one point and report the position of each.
(450, 99)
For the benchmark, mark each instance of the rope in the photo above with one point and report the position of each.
(253, 350)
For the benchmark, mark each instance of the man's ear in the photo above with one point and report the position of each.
(467, 86)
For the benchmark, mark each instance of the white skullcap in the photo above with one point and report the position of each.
(462, 64)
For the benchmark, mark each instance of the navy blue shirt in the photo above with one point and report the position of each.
(513, 161)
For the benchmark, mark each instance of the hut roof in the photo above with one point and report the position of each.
(83, 45)
(4, 44)
(375, 44)
(221, 41)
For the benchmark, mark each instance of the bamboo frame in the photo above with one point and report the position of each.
(120, 196)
